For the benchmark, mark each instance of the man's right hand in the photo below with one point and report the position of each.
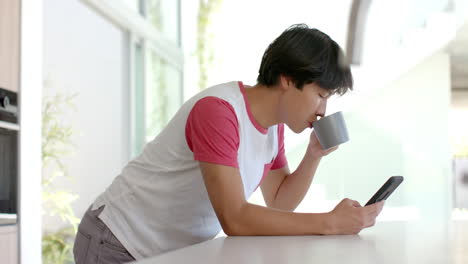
(349, 217)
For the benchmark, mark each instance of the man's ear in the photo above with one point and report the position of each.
(286, 82)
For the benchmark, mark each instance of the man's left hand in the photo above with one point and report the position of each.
(316, 149)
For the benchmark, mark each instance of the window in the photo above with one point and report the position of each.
(163, 93)
(156, 67)
(162, 14)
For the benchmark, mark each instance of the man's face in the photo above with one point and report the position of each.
(303, 107)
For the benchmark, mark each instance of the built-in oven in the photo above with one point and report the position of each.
(8, 152)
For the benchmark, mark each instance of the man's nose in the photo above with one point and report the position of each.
(322, 108)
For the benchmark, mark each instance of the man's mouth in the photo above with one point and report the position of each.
(311, 124)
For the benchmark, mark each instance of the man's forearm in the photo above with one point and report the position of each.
(294, 186)
(255, 220)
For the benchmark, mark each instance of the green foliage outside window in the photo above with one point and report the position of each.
(204, 39)
(57, 144)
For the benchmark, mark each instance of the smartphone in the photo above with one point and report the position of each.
(384, 192)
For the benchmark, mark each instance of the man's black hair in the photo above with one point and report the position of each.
(306, 55)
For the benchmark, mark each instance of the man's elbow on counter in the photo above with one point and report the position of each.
(235, 227)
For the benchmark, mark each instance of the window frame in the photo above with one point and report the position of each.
(141, 32)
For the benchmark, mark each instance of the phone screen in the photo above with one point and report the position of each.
(384, 192)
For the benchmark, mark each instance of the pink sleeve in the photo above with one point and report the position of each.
(280, 160)
(212, 132)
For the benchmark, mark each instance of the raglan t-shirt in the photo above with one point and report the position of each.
(159, 201)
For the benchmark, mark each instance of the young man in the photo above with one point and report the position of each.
(195, 177)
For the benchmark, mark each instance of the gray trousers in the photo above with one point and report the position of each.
(95, 243)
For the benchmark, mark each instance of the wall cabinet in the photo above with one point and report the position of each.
(8, 244)
(9, 44)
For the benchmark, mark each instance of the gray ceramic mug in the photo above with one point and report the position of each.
(331, 130)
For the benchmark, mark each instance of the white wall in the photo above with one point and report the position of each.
(85, 54)
(30, 134)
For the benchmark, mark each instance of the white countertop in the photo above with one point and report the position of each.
(386, 242)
